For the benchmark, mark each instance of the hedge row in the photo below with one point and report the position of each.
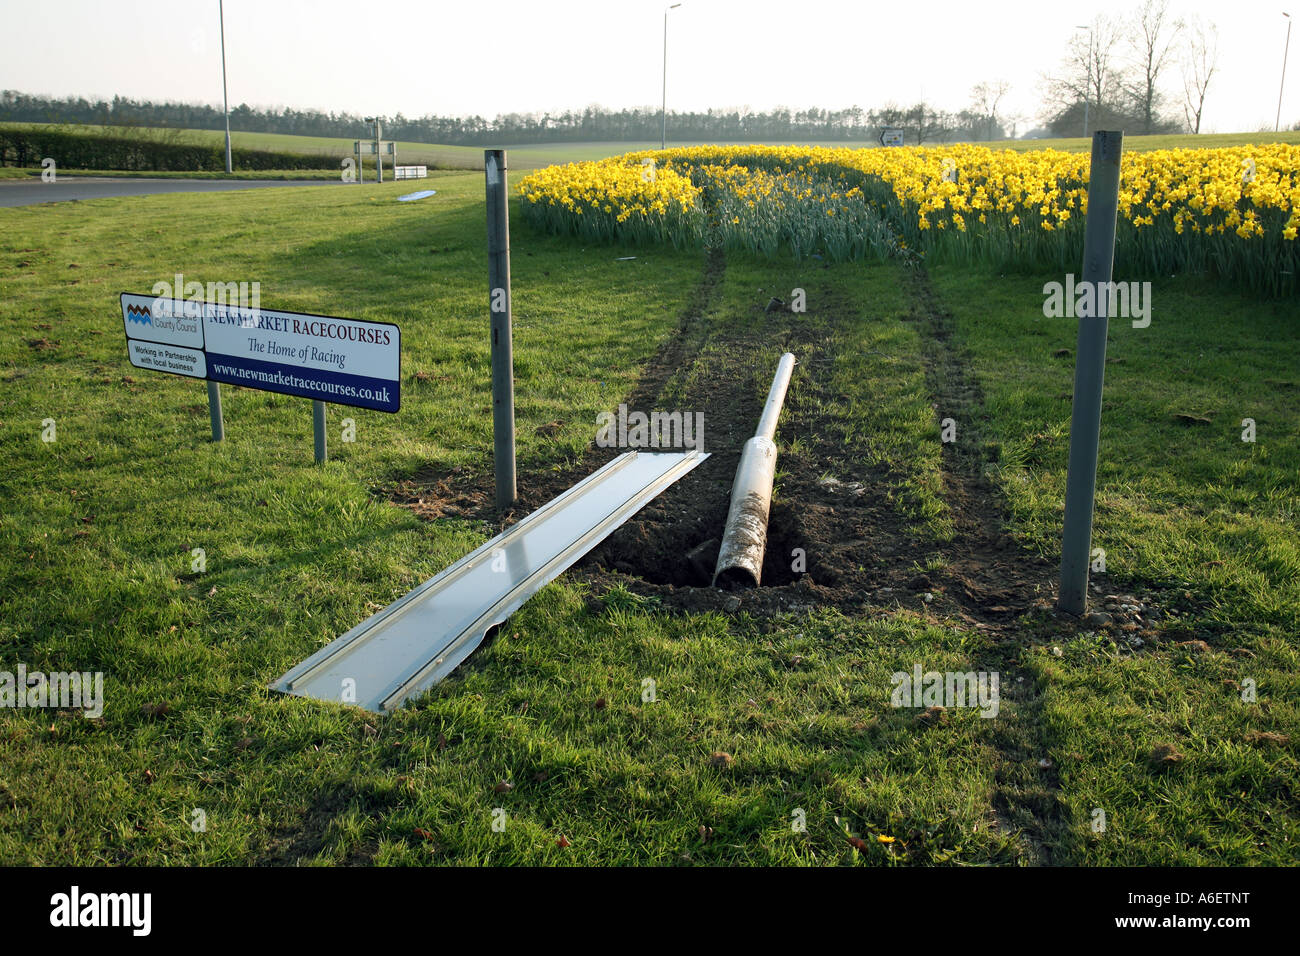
(27, 147)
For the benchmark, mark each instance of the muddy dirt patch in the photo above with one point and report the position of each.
(833, 539)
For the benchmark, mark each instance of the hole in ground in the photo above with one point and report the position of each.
(674, 540)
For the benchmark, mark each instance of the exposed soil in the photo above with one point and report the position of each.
(859, 552)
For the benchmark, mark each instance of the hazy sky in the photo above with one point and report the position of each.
(447, 58)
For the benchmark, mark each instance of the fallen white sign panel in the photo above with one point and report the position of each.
(419, 639)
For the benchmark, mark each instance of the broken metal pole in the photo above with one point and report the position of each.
(744, 540)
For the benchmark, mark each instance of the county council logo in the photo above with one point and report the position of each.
(139, 313)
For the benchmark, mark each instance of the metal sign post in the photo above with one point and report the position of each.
(214, 412)
(379, 157)
(1089, 369)
(503, 375)
(377, 148)
(318, 430)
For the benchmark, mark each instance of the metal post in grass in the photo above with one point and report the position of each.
(214, 412)
(503, 373)
(1089, 369)
(318, 430)
(225, 98)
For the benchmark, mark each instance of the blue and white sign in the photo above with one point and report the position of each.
(341, 361)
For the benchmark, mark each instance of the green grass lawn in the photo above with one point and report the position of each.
(279, 175)
(1183, 503)
(97, 537)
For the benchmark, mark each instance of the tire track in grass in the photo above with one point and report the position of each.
(719, 360)
(992, 578)
(691, 333)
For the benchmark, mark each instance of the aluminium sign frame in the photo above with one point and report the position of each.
(402, 651)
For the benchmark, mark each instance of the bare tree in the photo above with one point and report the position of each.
(1016, 120)
(1200, 62)
(1151, 44)
(1089, 75)
(985, 98)
(925, 123)
(1101, 80)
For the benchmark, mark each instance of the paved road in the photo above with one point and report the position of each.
(24, 192)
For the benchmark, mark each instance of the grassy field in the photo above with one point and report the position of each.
(1183, 504)
(278, 175)
(547, 722)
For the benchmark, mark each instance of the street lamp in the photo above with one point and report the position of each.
(221, 13)
(1087, 86)
(1285, 50)
(663, 139)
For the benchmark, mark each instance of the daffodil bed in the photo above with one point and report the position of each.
(1231, 212)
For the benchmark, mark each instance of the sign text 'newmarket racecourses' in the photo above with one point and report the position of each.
(342, 361)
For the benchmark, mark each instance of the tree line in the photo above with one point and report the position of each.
(594, 123)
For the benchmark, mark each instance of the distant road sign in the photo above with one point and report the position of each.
(366, 147)
(891, 137)
(342, 361)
